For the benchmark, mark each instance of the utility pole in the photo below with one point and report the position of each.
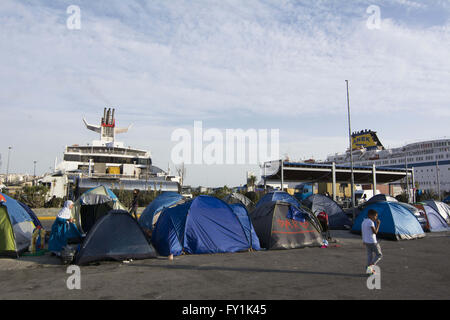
(351, 153)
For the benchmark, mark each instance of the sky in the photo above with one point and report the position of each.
(236, 64)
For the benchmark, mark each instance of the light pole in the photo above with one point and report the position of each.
(351, 153)
(7, 166)
(34, 172)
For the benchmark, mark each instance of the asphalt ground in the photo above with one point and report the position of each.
(415, 269)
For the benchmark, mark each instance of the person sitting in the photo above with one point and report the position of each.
(63, 229)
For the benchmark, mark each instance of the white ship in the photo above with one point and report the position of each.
(108, 162)
(430, 159)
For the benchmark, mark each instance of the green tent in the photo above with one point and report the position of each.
(16, 227)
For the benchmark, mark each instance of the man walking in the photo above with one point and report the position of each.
(369, 230)
(134, 204)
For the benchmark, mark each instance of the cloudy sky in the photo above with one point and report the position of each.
(232, 64)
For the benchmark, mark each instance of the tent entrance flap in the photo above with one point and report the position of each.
(92, 213)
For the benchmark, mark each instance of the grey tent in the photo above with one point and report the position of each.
(440, 207)
(281, 225)
(336, 216)
(417, 213)
(235, 197)
(115, 236)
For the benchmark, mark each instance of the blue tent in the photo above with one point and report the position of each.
(397, 222)
(164, 200)
(278, 196)
(447, 200)
(242, 213)
(203, 225)
(33, 216)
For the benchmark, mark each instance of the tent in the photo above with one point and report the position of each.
(282, 225)
(381, 197)
(420, 215)
(435, 222)
(242, 213)
(336, 216)
(278, 196)
(204, 224)
(92, 205)
(115, 236)
(397, 222)
(16, 227)
(33, 216)
(239, 198)
(151, 213)
(440, 207)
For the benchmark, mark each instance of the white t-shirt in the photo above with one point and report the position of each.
(366, 229)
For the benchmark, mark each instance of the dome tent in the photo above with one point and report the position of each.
(337, 217)
(204, 224)
(235, 197)
(115, 236)
(381, 197)
(435, 222)
(92, 205)
(440, 207)
(151, 213)
(397, 222)
(242, 213)
(278, 196)
(446, 200)
(283, 225)
(16, 227)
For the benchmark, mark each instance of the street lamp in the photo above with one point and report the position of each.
(7, 166)
(351, 153)
(34, 172)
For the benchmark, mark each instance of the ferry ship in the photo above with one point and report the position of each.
(430, 158)
(107, 162)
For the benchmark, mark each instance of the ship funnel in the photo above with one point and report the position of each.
(112, 118)
(104, 116)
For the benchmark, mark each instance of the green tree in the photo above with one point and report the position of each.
(32, 196)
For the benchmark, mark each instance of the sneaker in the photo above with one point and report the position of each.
(369, 270)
